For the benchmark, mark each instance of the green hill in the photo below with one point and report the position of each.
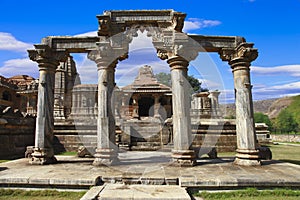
(294, 108)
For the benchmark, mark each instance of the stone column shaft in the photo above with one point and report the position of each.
(47, 60)
(106, 152)
(182, 153)
(156, 106)
(240, 60)
(247, 153)
(43, 152)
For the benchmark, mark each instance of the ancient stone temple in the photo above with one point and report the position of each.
(145, 96)
(116, 30)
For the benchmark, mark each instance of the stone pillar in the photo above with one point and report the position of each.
(182, 153)
(240, 60)
(156, 106)
(59, 92)
(47, 60)
(135, 105)
(214, 95)
(106, 152)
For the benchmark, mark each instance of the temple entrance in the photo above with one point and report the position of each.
(146, 107)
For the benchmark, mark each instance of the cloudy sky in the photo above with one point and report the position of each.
(272, 25)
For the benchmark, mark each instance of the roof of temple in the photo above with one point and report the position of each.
(146, 82)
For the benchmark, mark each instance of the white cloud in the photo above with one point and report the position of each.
(211, 85)
(195, 23)
(22, 66)
(10, 43)
(276, 91)
(292, 70)
(87, 34)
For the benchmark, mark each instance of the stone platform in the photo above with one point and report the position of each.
(148, 168)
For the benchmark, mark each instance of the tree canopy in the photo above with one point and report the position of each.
(262, 118)
(165, 79)
(286, 122)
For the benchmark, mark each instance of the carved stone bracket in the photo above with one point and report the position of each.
(46, 57)
(244, 53)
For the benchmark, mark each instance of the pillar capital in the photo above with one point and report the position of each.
(107, 57)
(240, 57)
(47, 58)
(177, 62)
(171, 44)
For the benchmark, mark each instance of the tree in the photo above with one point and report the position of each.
(286, 122)
(165, 79)
(262, 118)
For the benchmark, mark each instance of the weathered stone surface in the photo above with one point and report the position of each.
(140, 192)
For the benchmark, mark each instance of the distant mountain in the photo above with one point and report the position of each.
(270, 107)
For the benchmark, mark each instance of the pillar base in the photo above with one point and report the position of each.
(247, 157)
(105, 157)
(183, 158)
(42, 156)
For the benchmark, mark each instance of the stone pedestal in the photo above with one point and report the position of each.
(183, 158)
(182, 154)
(105, 157)
(42, 156)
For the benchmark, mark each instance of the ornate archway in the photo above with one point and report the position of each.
(116, 29)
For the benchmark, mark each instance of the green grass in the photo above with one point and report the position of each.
(2, 161)
(38, 195)
(286, 153)
(68, 153)
(252, 193)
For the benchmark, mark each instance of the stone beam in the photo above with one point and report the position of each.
(71, 44)
(216, 43)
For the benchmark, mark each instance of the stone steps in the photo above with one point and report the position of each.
(136, 192)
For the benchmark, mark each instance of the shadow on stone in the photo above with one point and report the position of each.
(3, 168)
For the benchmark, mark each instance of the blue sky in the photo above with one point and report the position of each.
(274, 27)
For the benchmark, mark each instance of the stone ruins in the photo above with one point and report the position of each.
(116, 31)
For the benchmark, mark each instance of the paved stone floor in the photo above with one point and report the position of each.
(152, 168)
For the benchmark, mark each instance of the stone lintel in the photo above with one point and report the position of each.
(71, 44)
(113, 22)
(216, 43)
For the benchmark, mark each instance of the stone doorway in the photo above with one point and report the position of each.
(146, 105)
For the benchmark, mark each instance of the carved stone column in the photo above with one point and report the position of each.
(182, 153)
(59, 91)
(214, 95)
(156, 106)
(135, 105)
(240, 60)
(47, 60)
(106, 152)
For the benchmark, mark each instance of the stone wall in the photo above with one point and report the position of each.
(16, 133)
(285, 138)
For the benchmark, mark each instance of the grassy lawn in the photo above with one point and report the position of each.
(286, 153)
(39, 195)
(251, 194)
(68, 153)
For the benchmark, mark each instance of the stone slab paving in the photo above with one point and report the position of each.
(151, 168)
(143, 192)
